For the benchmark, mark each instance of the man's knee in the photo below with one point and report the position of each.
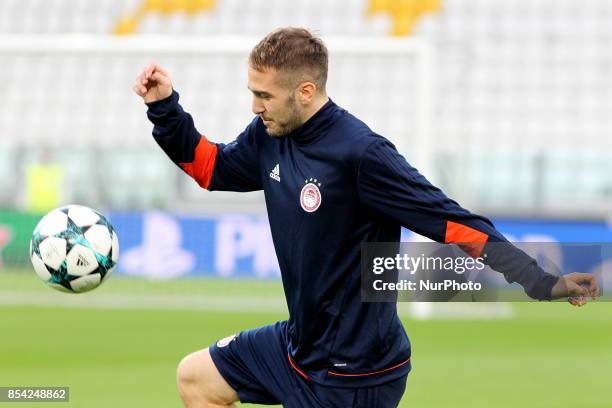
(200, 382)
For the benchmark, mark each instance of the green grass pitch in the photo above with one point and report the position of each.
(119, 345)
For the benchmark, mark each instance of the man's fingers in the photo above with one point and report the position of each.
(160, 70)
(578, 287)
(593, 286)
(574, 289)
(153, 72)
(159, 77)
(141, 78)
(589, 279)
(577, 301)
(594, 289)
(153, 68)
(587, 282)
(152, 83)
(137, 90)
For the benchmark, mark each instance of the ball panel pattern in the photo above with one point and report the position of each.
(74, 249)
(82, 216)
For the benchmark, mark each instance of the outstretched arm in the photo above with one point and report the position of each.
(390, 187)
(214, 166)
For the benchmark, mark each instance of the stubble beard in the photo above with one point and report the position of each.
(292, 122)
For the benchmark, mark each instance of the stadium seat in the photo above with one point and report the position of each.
(530, 77)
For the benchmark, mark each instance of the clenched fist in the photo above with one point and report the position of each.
(153, 84)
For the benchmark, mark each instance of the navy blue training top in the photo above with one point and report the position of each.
(331, 185)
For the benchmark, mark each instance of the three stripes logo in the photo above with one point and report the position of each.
(275, 173)
(81, 261)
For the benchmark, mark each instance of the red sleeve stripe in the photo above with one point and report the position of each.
(470, 240)
(201, 168)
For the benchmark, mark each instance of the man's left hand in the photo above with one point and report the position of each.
(576, 287)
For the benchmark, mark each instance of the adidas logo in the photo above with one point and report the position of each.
(81, 261)
(275, 173)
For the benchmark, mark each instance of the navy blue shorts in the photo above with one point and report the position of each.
(255, 364)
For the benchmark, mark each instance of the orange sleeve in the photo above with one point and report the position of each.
(203, 164)
(469, 239)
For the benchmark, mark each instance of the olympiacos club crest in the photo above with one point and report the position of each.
(225, 341)
(310, 197)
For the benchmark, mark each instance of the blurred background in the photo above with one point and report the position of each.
(504, 104)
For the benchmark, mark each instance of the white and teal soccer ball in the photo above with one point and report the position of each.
(74, 249)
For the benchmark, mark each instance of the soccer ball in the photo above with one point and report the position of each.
(74, 249)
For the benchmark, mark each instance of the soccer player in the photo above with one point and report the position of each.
(330, 184)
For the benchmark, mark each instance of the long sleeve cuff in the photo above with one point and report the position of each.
(161, 111)
(517, 266)
(537, 283)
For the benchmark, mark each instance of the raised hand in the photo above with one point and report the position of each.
(153, 84)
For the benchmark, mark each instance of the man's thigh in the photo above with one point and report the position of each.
(199, 380)
(254, 363)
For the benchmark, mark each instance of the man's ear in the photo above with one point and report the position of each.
(306, 92)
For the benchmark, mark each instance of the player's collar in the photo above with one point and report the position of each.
(313, 127)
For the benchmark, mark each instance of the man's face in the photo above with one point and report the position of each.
(274, 101)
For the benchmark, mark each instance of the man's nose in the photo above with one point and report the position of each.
(257, 107)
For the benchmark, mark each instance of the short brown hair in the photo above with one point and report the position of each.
(294, 51)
